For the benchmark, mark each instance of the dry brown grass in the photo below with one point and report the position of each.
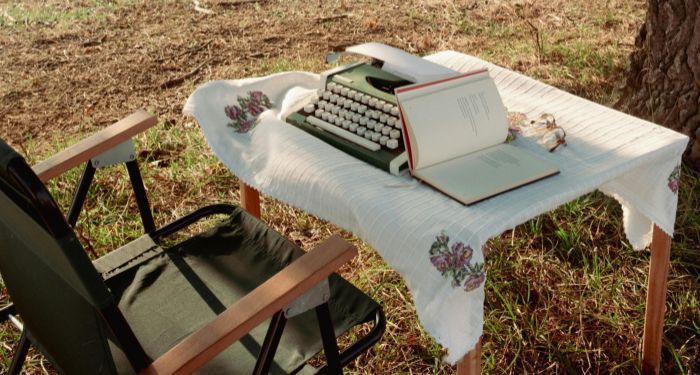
(565, 293)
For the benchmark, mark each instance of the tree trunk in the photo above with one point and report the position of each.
(663, 81)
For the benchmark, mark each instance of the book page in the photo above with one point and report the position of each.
(452, 117)
(485, 173)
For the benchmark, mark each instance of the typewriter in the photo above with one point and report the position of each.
(356, 112)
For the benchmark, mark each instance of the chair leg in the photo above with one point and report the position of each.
(141, 199)
(365, 342)
(330, 346)
(269, 347)
(20, 354)
(136, 183)
(80, 194)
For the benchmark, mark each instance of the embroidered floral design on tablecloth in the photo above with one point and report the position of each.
(455, 263)
(244, 115)
(674, 179)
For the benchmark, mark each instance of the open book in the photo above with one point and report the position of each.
(455, 129)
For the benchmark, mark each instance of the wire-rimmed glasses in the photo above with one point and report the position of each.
(550, 135)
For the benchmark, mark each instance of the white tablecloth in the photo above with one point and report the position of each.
(630, 159)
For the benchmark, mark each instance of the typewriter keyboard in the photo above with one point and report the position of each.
(357, 117)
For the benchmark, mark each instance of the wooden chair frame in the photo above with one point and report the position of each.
(238, 319)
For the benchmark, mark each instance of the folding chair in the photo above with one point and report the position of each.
(198, 305)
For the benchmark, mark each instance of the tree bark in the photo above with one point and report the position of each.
(663, 81)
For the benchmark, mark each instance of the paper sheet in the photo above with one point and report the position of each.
(403, 64)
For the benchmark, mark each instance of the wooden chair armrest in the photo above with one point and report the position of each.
(94, 145)
(251, 310)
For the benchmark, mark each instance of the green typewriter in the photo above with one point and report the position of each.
(356, 112)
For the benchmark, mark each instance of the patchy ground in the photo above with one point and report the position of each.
(68, 68)
(565, 294)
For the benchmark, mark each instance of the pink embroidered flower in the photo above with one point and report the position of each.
(245, 126)
(673, 185)
(233, 112)
(244, 116)
(454, 263)
(461, 254)
(257, 96)
(674, 179)
(254, 108)
(474, 281)
(260, 98)
(441, 262)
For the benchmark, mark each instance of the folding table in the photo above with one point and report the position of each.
(632, 160)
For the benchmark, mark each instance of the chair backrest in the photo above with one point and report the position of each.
(51, 281)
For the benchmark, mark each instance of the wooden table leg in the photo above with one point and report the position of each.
(656, 301)
(470, 364)
(250, 200)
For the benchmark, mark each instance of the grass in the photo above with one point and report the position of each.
(565, 290)
(28, 15)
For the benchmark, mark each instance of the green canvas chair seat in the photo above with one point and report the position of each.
(209, 272)
(123, 311)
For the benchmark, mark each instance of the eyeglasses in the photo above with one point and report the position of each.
(551, 135)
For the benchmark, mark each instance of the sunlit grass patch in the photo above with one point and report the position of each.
(54, 15)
